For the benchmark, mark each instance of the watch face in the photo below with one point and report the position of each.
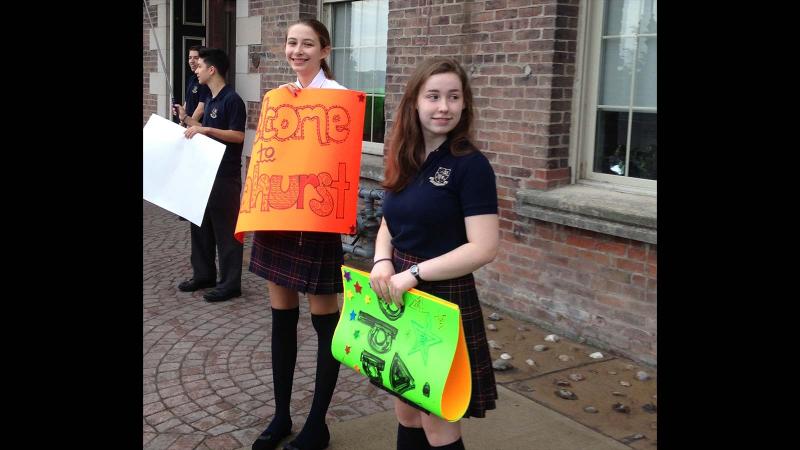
(414, 270)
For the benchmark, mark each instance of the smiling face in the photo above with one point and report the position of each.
(303, 50)
(439, 105)
(194, 57)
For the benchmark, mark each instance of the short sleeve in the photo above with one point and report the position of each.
(478, 191)
(238, 114)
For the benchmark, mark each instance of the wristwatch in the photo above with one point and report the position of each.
(415, 271)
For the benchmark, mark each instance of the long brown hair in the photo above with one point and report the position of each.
(405, 148)
(324, 40)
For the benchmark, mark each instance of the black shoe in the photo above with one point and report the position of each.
(323, 438)
(269, 440)
(217, 296)
(193, 285)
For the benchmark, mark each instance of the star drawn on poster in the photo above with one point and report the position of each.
(347, 349)
(357, 369)
(425, 339)
(356, 334)
(358, 287)
(367, 300)
(349, 294)
(353, 315)
(347, 276)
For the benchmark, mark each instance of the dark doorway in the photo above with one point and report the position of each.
(189, 25)
(211, 23)
(222, 32)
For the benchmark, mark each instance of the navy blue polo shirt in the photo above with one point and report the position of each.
(195, 93)
(226, 111)
(426, 218)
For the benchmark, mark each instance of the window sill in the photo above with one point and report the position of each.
(591, 208)
(372, 167)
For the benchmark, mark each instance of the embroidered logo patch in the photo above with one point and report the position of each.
(440, 177)
(194, 90)
(214, 113)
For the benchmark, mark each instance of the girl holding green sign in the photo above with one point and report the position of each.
(440, 224)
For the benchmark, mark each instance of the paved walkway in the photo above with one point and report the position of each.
(207, 380)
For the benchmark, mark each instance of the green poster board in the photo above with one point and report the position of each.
(416, 351)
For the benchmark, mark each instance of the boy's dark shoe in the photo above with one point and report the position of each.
(217, 296)
(193, 285)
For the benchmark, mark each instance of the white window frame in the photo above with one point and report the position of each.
(367, 147)
(584, 110)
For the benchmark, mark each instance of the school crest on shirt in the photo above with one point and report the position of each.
(213, 113)
(194, 90)
(440, 178)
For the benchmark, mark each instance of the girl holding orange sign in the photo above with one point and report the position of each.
(301, 261)
(440, 224)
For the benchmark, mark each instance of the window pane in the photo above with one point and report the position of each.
(349, 79)
(341, 33)
(643, 146)
(368, 120)
(380, 70)
(617, 67)
(612, 132)
(338, 65)
(622, 17)
(649, 17)
(356, 23)
(193, 11)
(360, 30)
(369, 22)
(378, 121)
(646, 74)
(366, 70)
(383, 22)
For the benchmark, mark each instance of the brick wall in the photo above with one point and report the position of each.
(579, 283)
(520, 55)
(150, 64)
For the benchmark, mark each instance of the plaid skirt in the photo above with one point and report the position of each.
(462, 292)
(305, 261)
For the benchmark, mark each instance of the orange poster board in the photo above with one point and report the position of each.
(305, 163)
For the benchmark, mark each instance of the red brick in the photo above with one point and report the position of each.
(596, 257)
(545, 231)
(652, 255)
(554, 174)
(637, 253)
(612, 247)
(565, 250)
(630, 266)
(582, 241)
(639, 280)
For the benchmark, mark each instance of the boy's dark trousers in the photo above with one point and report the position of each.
(216, 233)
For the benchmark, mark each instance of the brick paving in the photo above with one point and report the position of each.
(207, 376)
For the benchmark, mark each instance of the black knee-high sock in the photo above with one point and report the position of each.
(410, 438)
(325, 382)
(457, 445)
(284, 357)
